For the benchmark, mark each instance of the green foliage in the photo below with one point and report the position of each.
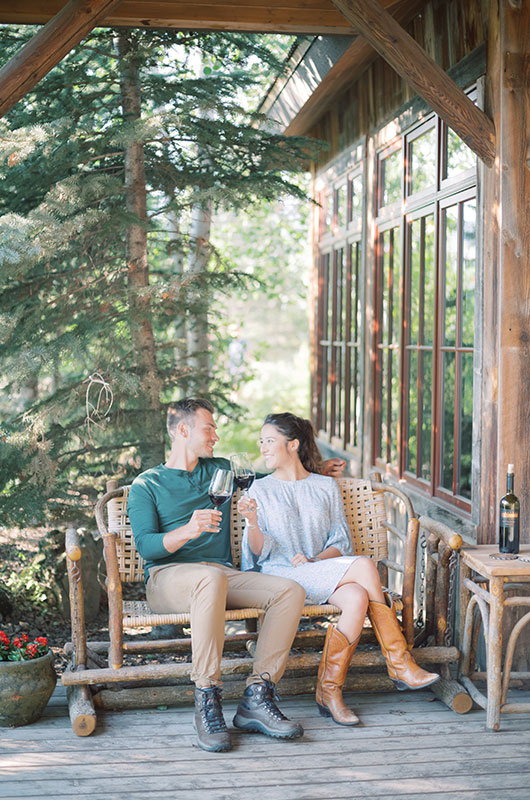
(74, 396)
(26, 587)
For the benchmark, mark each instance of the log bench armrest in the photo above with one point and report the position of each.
(449, 537)
(72, 545)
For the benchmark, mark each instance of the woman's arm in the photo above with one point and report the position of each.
(248, 508)
(329, 552)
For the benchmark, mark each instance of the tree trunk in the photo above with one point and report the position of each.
(143, 341)
(198, 352)
(181, 347)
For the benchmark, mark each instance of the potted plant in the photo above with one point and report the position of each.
(27, 679)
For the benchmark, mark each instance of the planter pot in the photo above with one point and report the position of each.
(25, 688)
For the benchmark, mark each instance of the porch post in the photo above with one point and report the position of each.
(508, 208)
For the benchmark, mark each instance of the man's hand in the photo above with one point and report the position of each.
(334, 467)
(248, 508)
(299, 559)
(203, 520)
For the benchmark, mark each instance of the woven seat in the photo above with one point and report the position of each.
(366, 514)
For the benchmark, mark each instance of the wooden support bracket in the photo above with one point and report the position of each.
(410, 61)
(48, 47)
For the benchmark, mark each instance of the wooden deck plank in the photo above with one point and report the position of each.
(269, 770)
(293, 786)
(386, 754)
(408, 748)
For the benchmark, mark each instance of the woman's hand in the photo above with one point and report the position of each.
(248, 508)
(299, 559)
(333, 467)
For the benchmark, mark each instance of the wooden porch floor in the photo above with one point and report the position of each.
(409, 746)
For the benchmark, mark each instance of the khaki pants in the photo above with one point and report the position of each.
(204, 590)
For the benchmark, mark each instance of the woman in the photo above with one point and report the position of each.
(296, 528)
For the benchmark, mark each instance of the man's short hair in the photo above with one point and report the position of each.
(184, 409)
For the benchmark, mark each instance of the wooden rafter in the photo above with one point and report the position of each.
(410, 61)
(346, 70)
(273, 16)
(48, 47)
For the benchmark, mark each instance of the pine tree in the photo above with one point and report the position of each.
(100, 161)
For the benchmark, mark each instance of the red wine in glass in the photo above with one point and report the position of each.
(221, 487)
(244, 481)
(243, 471)
(219, 499)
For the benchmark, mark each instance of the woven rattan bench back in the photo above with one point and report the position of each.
(364, 508)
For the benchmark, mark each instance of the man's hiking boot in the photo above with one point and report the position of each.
(258, 711)
(209, 722)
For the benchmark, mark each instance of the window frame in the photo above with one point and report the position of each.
(339, 412)
(445, 193)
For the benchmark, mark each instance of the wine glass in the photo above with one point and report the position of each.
(221, 486)
(243, 470)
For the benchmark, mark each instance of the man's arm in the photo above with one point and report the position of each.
(203, 520)
(151, 543)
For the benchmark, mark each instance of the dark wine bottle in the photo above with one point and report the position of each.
(509, 517)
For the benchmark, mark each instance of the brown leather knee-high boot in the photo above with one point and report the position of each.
(402, 669)
(332, 670)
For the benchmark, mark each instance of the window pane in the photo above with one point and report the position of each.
(468, 272)
(429, 280)
(341, 208)
(385, 286)
(384, 406)
(391, 170)
(389, 334)
(458, 156)
(356, 197)
(394, 404)
(466, 425)
(415, 276)
(355, 377)
(448, 412)
(412, 434)
(339, 337)
(423, 162)
(394, 334)
(426, 415)
(451, 274)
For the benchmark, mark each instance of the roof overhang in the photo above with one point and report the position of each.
(263, 16)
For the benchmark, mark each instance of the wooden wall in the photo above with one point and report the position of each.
(448, 30)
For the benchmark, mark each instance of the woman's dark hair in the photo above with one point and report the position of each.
(294, 427)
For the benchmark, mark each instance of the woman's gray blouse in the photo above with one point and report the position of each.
(304, 516)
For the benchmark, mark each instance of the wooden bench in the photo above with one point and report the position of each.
(370, 507)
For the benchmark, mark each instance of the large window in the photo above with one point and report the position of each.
(340, 320)
(424, 311)
(415, 250)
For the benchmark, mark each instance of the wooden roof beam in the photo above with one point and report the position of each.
(273, 16)
(48, 47)
(429, 80)
(345, 71)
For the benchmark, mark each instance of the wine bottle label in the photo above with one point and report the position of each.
(509, 515)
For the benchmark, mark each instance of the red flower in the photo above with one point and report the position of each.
(4, 638)
(42, 640)
(17, 641)
(24, 637)
(31, 650)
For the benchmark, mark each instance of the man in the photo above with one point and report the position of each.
(185, 543)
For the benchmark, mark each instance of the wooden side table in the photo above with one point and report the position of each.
(482, 583)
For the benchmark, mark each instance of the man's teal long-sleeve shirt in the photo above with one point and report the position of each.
(162, 499)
